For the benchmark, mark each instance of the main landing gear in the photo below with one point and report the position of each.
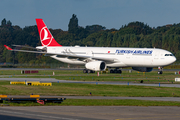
(88, 71)
(160, 71)
(115, 71)
(111, 71)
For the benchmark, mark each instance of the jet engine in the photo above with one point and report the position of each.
(96, 65)
(143, 69)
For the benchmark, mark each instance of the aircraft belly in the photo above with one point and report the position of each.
(160, 62)
(138, 61)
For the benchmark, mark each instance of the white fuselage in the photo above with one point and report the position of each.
(123, 57)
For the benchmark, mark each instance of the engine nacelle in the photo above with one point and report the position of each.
(96, 65)
(143, 69)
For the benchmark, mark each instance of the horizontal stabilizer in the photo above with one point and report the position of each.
(7, 47)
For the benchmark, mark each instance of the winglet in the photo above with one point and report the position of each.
(8, 47)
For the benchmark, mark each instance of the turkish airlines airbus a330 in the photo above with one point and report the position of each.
(100, 58)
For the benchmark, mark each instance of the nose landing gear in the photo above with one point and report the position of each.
(160, 71)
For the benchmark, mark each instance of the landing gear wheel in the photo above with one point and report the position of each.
(84, 71)
(89, 71)
(119, 71)
(115, 71)
(111, 71)
(160, 72)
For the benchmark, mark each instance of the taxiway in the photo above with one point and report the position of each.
(90, 113)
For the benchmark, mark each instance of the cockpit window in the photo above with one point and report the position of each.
(168, 54)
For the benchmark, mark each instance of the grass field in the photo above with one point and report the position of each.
(73, 89)
(150, 77)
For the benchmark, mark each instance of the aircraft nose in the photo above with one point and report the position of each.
(173, 59)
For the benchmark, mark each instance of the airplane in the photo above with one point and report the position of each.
(100, 58)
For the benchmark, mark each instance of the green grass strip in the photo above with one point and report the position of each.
(74, 89)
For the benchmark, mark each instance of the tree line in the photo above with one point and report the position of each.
(134, 34)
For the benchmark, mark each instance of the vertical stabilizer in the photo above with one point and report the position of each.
(45, 35)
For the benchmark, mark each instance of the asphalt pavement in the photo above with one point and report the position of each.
(90, 113)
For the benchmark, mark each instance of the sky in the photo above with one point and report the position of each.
(108, 13)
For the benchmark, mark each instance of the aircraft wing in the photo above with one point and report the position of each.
(24, 46)
(65, 55)
(24, 50)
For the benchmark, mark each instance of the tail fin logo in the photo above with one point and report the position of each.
(46, 37)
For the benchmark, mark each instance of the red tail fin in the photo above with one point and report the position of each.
(45, 35)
